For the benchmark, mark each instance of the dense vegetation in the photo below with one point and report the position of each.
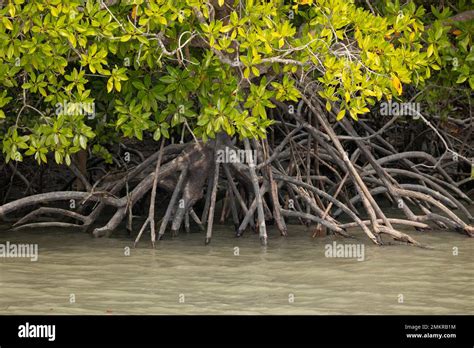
(341, 102)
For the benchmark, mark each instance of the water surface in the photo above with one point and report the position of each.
(290, 276)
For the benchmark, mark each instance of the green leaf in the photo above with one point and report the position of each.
(157, 134)
(461, 79)
(83, 142)
(57, 157)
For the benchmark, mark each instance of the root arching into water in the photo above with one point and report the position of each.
(329, 175)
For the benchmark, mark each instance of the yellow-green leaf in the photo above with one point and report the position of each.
(397, 84)
(247, 73)
(12, 9)
(354, 115)
(110, 84)
(57, 157)
(341, 115)
(54, 11)
(430, 50)
(328, 106)
(7, 23)
(163, 21)
(72, 39)
(255, 71)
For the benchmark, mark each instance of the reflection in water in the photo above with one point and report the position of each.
(292, 276)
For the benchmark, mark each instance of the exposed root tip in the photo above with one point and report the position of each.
(469, 230)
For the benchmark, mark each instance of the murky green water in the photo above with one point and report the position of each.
(213, 280)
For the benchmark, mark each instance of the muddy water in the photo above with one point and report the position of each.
(182, 276)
